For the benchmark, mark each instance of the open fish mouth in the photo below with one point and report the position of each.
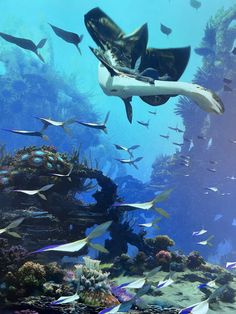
(208, 100)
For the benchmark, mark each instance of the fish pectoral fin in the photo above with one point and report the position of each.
(128, 108)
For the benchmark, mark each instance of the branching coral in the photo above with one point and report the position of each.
(93, 285)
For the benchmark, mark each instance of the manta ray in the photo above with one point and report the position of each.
(129, 68)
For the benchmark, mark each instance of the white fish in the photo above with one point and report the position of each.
(218, 217)
(200, 232)
(67, 299)
(36, 192)
(206, 242)
(210, 284)
(78, 245)
(137, 284)
(64, 175)
(151, 224)
(212, 189)
(150, 205)
(12, 225)
(231, 178)
(231, 265)
(198, 308)
(234, 222)
(165, 283)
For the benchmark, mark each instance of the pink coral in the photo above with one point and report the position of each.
(163, 257)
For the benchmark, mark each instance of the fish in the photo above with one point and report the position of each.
(233, 141)
(152, 112)
(164, 283)
(173, 128)
(49, 122)
(165, 136)
(78, 245)
(218, 217)
(207, 242)
(227, 88)
(151, 224)
(139, 283)
(98, 126)
(214, 162)
(210, 284)
(69, 37)
(211, 169)
(127, 149)
(25, 44)
(67, 299)
(178, 144)
(127, 305)
(179, 130)
(201, 137)
(202, 307)
(227, 81)
(212, 189)
(130, 162)
(204, 51)
(195, 4)
(36, 192)
(231, 178)
(234, 222)
(146, 124)
(28, 133)
(12, 225)
(200, 232)
(230, 265)
(151, 204)
(59, 175)
(165, 30)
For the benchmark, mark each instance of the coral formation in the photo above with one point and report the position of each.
(195, 260)
(160, 242)
(11, 257)
(163, 259)
(94, 287)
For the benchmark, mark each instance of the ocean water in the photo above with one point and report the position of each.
(196, 164)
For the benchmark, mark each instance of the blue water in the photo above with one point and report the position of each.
(30, 18)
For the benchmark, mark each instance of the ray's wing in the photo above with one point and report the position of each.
(125, 49)
(166, 61)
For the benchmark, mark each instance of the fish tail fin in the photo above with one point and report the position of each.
(130, 153)
(40, 57)
(134, 165)
(107, 117)
(41, 43)
(105, 130)
(78, 48)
